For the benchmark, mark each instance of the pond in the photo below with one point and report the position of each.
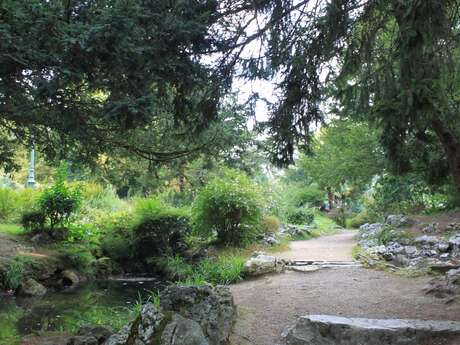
(102, 302)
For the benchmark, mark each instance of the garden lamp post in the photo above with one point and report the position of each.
(31, 175)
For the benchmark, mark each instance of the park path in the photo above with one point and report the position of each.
(336, 247)
(268, 304)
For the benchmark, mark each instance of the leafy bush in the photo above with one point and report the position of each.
(359, 219)
(300, 216)
(78, 257)
(116, 235)
(225, 269)
(309, 196)
(270, 224)
(98, 197)
(33, 220)
(229, 209)
(8, 203)
(163, 231)
(59, 202)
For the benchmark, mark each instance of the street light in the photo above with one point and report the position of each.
(31, 176)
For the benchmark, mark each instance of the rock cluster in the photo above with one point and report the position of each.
(329, 330)
(424, 251)
(295, 230)
(188, 316)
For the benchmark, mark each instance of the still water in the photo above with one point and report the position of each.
(102, 302)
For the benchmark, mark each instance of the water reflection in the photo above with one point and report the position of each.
(107, 302)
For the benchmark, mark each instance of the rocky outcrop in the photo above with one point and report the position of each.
(260, 263)
(188, 316)
(335, 330)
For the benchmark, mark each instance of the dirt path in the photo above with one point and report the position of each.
(268, 304)
(332, 248)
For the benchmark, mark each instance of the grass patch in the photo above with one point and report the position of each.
(357, 251)
(324, 225)
(12, 229)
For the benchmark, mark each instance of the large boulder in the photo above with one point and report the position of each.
(189, 315)
(182, 331)
(335, 330)
(260, 263)
(31, 288)
(397, 220)
(212, 308)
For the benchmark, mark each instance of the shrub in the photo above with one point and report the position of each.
(309, 196)
(228, 208)
(33, 220)
(59, 202)
(78, 257)
(9, 203)
(270, 224)
(13, 275)
(221, 270)
(300, 216)
(161, 233)
(95, 196)
(359, 219)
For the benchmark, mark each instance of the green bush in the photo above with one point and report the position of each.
(14, 274)
(9, 203)
(270, 224)
(78, 257)
(359, 219)
(59, 202)
(95, 196)
(300, 216)
(161, 232)
(309, 196)
(33, 220)
(229, 209)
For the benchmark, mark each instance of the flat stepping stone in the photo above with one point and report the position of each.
(304, 269)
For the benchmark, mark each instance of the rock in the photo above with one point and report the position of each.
(83, 340)
(304, 269)
(119, 338)
(401, 260)
(455, 241)
(69, 278)
(443, 247)
(411, 250)
(182, 331)
(453, 277)
(31, 288)
(41, 238)
(444, 256)
(101, 333)
(427, 240)
(430, 228)
(453, 227)
(335, 330)
(260, 263)
(443, 267)
(141, 331)
(212, 308)
(397, 220)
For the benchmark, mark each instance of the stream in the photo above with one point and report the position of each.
(98, 302)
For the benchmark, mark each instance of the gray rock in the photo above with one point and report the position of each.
(101, 333)
(443, 247)
(334, 330)
(444, 256)
(411, 250)
(430, 228)
(31, 288)
(397, 220)
(69, 278)
(141, 331)
(401, 260)
(260, 263)
(119, 338)
(182, 331)
(212, 308)
(427, 240)
(83, 340)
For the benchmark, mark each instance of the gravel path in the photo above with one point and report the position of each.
(268, 304)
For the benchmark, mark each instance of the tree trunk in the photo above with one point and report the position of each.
(451, 145)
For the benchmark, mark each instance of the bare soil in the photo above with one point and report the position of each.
(268, 304)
